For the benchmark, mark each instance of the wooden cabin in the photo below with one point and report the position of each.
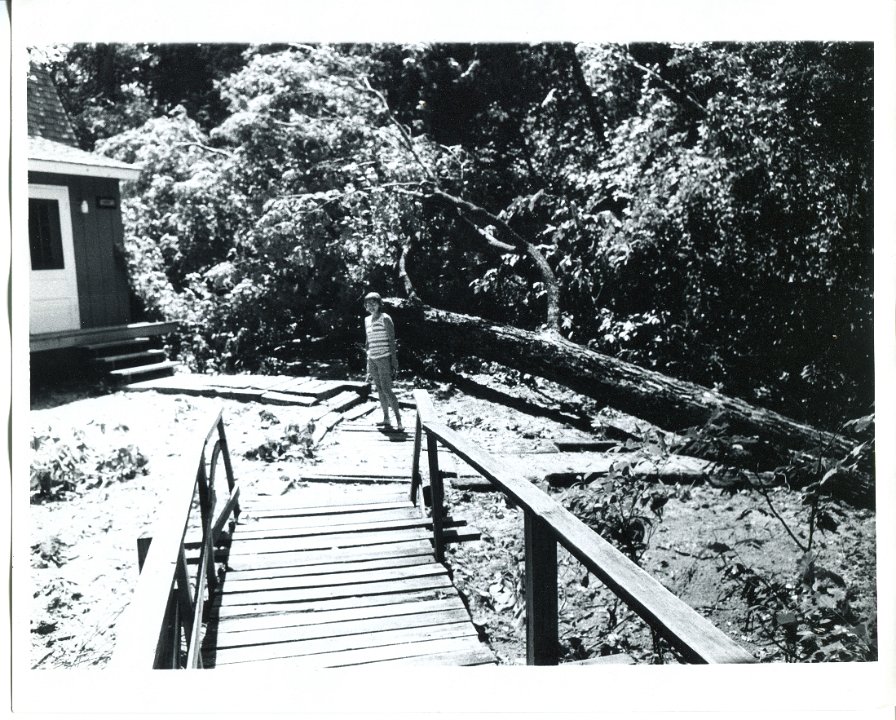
(80, 299)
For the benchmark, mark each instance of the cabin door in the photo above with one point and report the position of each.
(54, 285)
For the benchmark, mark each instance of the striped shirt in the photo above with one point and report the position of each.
(380, 336)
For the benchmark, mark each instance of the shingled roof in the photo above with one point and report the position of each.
(46, 116)
(52, 145)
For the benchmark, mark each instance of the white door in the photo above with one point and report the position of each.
(54, 285)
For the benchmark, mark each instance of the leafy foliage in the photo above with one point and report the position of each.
(67, 464)
(706, 208)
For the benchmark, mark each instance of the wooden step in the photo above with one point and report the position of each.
(131, 343)
(125, 374)
(143, 357)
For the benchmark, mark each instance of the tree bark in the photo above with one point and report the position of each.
(594, 119)
(669, 403)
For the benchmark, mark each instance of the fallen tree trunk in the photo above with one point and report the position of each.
(670, 403)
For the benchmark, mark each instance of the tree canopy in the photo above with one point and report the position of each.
(704, 210)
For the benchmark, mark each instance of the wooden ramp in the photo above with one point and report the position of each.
(341, 572)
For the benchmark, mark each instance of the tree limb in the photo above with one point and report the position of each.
(552, 319)
(403, 273)
(666, 84)
(522, 245)
(405, 135)
(218, 151)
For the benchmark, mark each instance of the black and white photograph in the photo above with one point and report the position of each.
(355, 356)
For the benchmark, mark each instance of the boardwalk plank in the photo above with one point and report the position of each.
(386, 587)
(301, 648)
(251, 536)
(310, 558)
(266, 510)
(325, 542)
(462, 657)
(345, 658)
(331, 568)
(319, 617)
(341, 629)
(359, 577)
(254, 524)
(346, 603)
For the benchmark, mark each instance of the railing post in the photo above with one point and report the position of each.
(206, 508)
(416, 480)
(542, 643)
(438, 497)
(228, 468)
(184, 597)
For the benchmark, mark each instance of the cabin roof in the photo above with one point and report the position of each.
(52, 145)
(49, 156)
(46, 116)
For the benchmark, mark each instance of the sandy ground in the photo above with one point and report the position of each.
(84, 561)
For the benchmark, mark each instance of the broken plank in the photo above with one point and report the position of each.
(460, 534)
(384, 587)
(293, 384)
(324, 424)
(274, 397)
(348, 642)
(360, 410)
(345, 400)
(585, 445)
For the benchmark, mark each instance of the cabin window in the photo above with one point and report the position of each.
(44, 234)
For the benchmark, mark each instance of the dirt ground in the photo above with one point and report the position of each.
(726, 554)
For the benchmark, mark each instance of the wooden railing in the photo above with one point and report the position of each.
(547, 523)
(165, 615)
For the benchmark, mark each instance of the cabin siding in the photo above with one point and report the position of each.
(103, 292)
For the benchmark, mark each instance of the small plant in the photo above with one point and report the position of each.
(61, 465)
(623, 509)
(810, 620)
(294, 438)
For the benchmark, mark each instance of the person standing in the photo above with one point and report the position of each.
(382, 358)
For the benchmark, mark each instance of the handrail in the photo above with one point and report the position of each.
(168, 605)
(548, 523)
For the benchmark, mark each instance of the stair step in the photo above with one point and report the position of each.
(154, 355)
(127, 343)
(162, 367)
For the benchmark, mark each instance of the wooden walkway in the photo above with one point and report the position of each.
(341, 572)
